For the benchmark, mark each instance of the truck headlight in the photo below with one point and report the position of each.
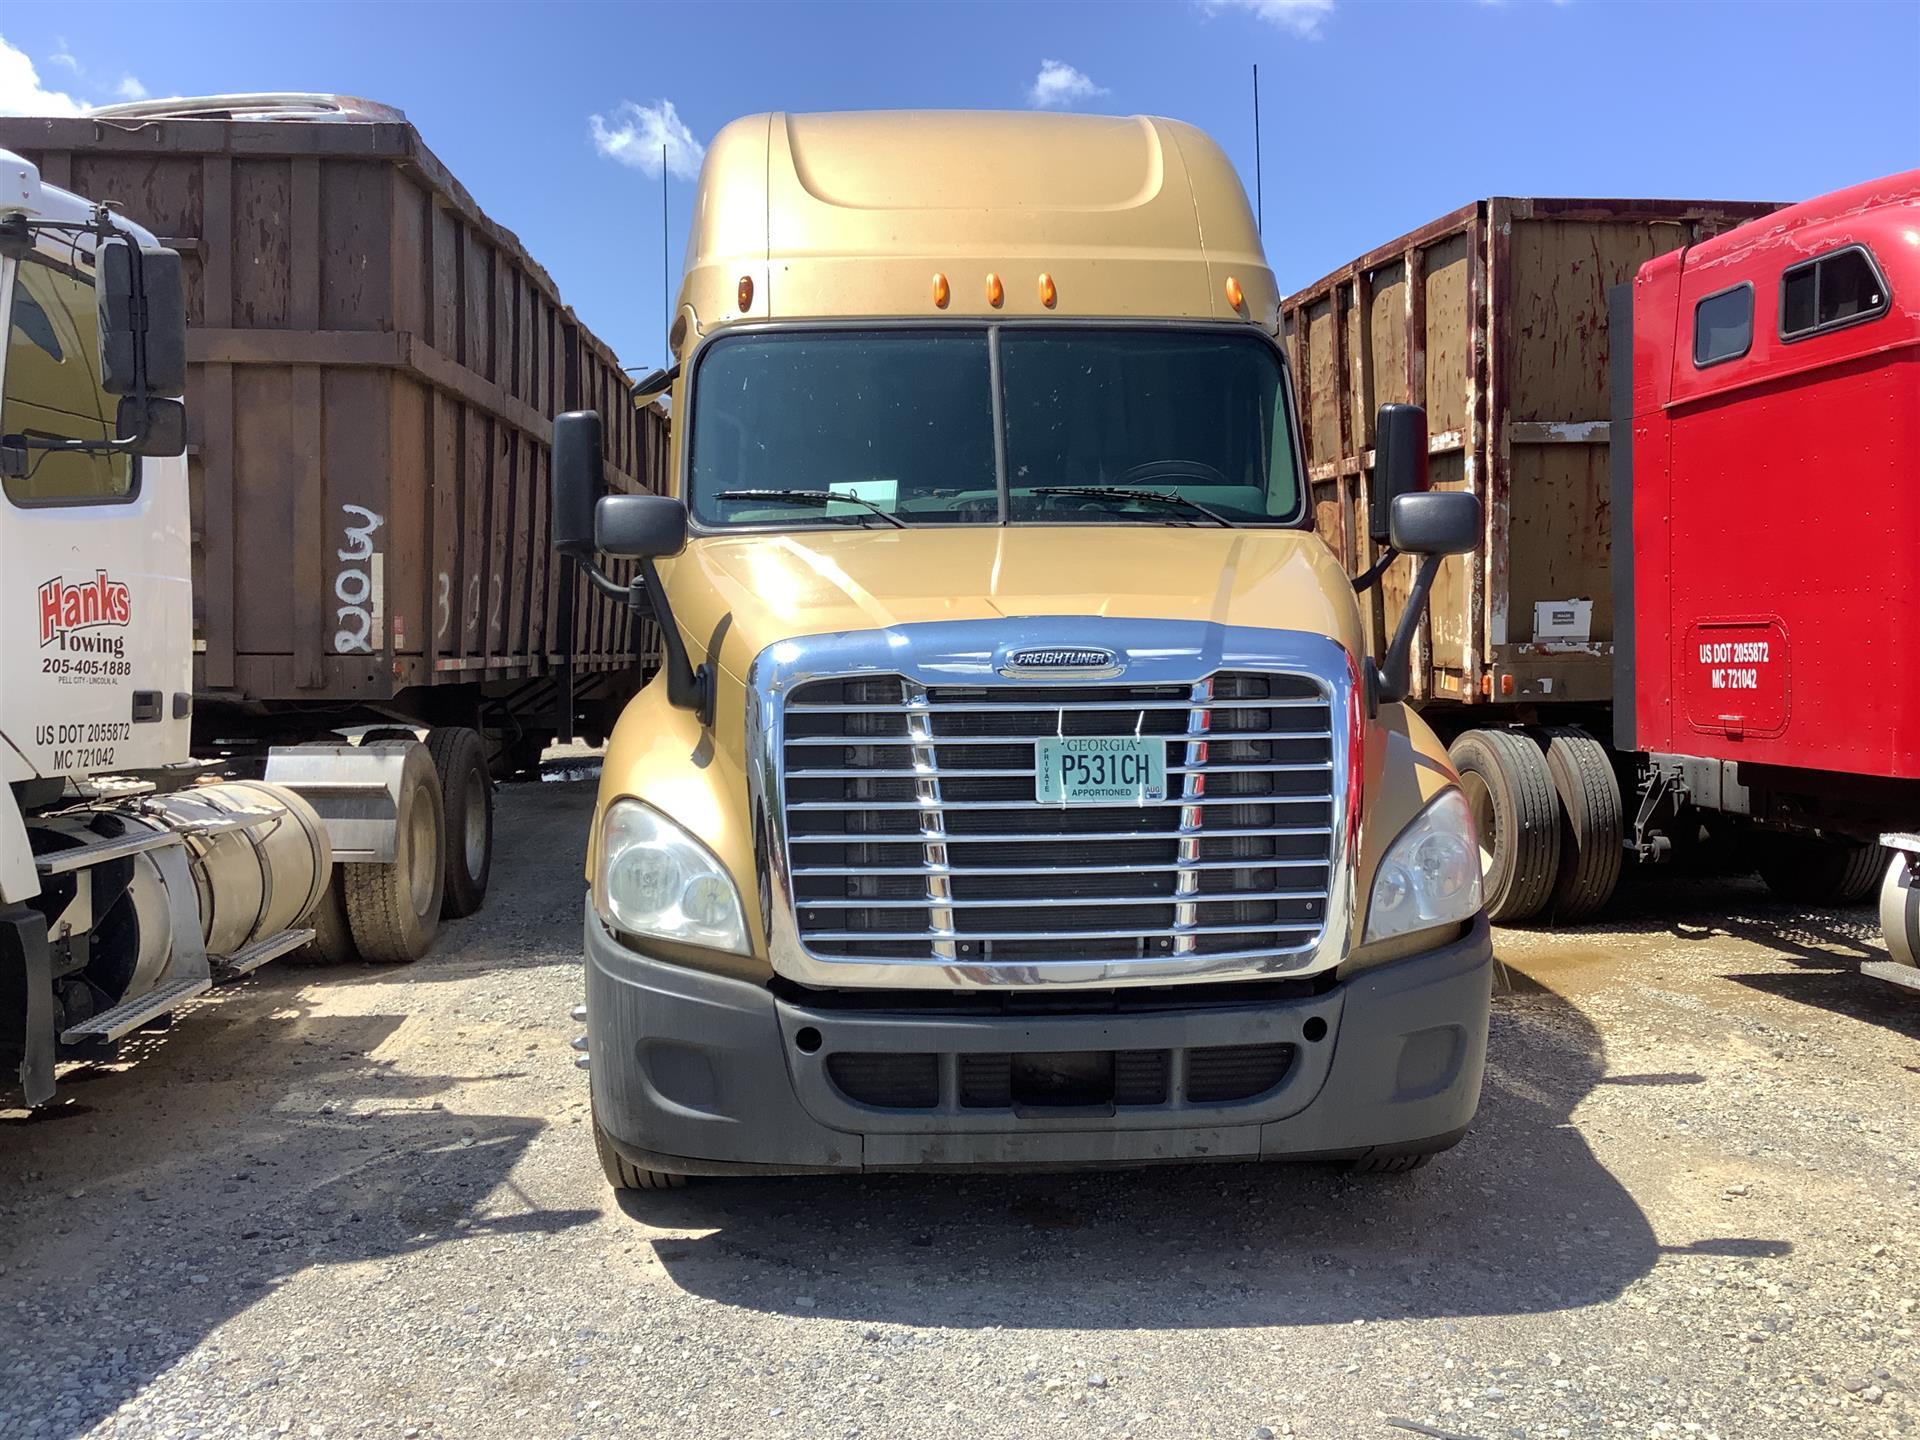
(1430, 875)
(650, 877)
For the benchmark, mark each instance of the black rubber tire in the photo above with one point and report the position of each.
(1388, 1164)
(466, 800)
(1809, 870)
(332, 942)
(1511, 793)
(1592, 823)
(622, 1175)
(393, 911)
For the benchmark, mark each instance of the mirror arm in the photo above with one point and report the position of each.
(612, 589)
(1396, 672)
(1371, 576)
(687, 688)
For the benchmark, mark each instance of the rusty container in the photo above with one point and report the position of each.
(1495, 319)
(375, 370)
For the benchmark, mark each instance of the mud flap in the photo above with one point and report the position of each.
(26, 1000)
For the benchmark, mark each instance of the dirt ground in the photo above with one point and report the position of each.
(363, 1202)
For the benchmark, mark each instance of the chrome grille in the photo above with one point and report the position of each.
(913, 832)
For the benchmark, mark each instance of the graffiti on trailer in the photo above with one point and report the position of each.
(357, 585)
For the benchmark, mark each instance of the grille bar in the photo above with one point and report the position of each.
(901, 742)
(1031, 805)
(877, 773)
(1025, 837)
(1066, 702)
(1243, 928)
(962, 871)
(1043, 902)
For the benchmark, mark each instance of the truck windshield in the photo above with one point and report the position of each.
(1106, 425)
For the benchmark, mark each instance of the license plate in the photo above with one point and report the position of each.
(1100, 770)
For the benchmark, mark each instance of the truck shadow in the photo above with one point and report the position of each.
(156, 1203)
(1519, 1218)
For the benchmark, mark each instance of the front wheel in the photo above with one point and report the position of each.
(622, 1174)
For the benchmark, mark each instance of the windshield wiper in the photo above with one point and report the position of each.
(1128, 492)
(822, 498)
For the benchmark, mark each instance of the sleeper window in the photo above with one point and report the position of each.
(1723, 326)
(1824, 294)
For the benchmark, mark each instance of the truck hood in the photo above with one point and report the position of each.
(749, 591)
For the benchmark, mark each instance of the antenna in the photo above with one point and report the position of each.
(1259, 198)
(666, 285)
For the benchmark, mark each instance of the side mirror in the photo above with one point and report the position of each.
(160, 425)
(1438, 522)
(1430, 525)
(577, 481)
(1399, 464)
(640, 527)
(142, 319)
(656, 383)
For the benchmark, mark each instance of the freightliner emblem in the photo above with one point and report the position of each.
(1062, 659)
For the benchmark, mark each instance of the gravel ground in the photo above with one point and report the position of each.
(364, 1202)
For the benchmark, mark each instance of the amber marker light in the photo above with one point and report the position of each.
(942, 292)
(996, 292)
(1236, 297)
(746, 293)
(1049, 296)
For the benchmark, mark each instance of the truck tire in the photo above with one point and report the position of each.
(1388, 1164)
(1511, 793)
(332, 942)
(622, 1175)
(1900, 908)
(1809, 870)
(1591, 823)
(393, 911)
(466, 799)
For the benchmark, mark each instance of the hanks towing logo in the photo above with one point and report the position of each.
(66, 609)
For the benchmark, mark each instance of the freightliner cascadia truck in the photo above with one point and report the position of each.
(1693, 428)
(1017, 789)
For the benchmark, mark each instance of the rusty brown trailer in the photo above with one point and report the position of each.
(376, 366)
(1495, 319)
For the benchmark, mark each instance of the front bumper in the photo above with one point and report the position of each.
(701, 1074)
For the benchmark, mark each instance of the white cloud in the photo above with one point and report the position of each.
(130, 89)
(21, 92)
(636, 135)
(1058, 85)
(1302, 17)
(64, 57)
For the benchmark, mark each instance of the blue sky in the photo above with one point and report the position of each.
(1376, 117)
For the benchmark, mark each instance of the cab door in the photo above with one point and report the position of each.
(95, 555)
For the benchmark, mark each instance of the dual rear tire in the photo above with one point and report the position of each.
(443, 859)
(1547, 806)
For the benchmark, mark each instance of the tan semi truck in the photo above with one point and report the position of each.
(1017, 789)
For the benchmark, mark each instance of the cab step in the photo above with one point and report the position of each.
(1893, 972)
(132, 1014)
(253, 956)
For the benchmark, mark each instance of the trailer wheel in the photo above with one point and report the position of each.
(1591, 823)
(1900, 909)
(466, 798)
(622, 1175)
(1508, 787)
(393, 911)
(1808, 870)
